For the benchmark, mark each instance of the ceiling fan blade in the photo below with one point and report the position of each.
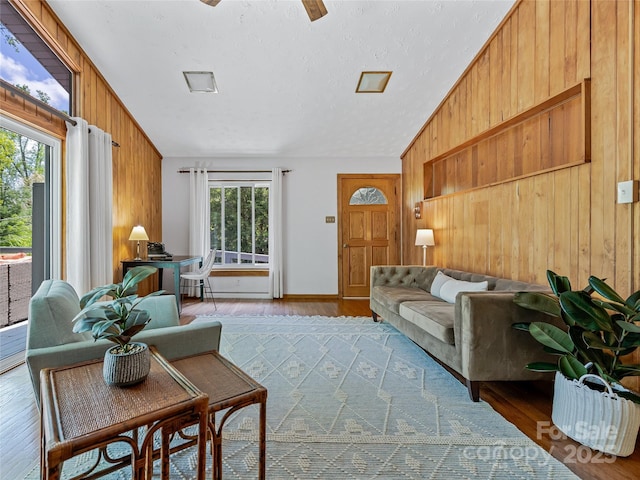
(315, 9)
(213, 3)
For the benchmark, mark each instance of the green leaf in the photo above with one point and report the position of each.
(96, 294)
(558, 283)
(552, 337)
(541, 302)
(593, 340)
(524, 326)
(542, 367)
(618, 307)
(571, 367)
(135, 275)
(631, 340)
(605, 290)
(579, 307)
(634, 301)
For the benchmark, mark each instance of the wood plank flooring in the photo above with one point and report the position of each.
(525, 404)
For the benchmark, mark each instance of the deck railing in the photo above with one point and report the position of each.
(15, 285)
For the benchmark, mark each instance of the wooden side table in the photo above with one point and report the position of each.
(80, 412)
(228, 388)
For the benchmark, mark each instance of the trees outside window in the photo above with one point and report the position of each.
(22, 163)
(240, 223)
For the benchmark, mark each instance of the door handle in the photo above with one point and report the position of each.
(345, 245)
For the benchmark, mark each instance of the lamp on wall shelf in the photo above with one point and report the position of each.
(424, 238)
(138, 233)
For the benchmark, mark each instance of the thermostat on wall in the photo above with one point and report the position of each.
(628, 191)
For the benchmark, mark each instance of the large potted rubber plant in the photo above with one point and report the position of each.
(602, 329)
(118, 320)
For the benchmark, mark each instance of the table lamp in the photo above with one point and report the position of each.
(424, 237)
(138, 233)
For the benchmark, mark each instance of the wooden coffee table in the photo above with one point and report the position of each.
(230, 389)
(80, 412)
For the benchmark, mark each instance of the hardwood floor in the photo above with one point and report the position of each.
(527, 405)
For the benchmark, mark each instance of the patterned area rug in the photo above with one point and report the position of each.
(353, 399)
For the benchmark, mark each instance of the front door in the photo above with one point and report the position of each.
(368, 230)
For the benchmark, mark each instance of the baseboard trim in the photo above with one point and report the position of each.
(306, 296)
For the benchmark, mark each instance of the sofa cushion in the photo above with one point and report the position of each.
(438, 282)
(451, 288)
(392, 297)
(434, 317)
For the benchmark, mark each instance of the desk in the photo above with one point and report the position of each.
(230, 389)
(177, 262)
(80, 413)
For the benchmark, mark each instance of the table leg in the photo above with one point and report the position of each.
(263, 439)
(176, 286)
(201, 284)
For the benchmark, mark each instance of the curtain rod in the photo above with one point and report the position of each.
(44, 106)
(186, 170)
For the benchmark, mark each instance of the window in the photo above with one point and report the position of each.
(29, 64)
(240, 223)
(368, 196)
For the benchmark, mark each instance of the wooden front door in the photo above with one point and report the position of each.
(368, 230)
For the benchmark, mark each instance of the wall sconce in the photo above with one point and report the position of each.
(424, 237)
(417, 210)
(138, 233)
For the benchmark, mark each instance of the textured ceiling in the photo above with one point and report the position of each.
(287, 86)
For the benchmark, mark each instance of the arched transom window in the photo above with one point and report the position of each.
(368, 196)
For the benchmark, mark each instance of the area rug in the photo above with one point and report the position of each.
(353, 399)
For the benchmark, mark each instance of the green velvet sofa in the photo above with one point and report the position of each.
(52, 343)
(471, 332)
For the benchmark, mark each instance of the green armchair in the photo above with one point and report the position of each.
(52, 343)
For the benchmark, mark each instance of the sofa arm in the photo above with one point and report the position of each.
(490, 348)
(171, 342)
(401, 275)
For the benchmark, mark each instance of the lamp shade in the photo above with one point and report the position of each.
(138, 233)
(424, 237)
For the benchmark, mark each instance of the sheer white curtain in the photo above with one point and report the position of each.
(275, 235)
(89, 186)
(199, 217)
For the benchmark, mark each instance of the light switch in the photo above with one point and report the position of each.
(331, 219)
(628, 191)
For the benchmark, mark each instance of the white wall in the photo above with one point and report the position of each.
(310, 194)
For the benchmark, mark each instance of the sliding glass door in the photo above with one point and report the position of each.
(30, 205)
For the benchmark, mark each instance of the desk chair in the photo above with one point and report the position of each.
(201, 276)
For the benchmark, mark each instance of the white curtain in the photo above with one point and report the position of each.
(199, 217)
(275, 235)
(89, 185)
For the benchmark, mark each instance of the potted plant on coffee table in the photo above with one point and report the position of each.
(589, 405)
(118, 320)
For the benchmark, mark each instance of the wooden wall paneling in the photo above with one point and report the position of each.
(478, 235)
(541, 254)
(515, 86)
(557, 47)
(603, 136)
(526, 54)
(495, 81)
(542, 41)
(507, 87)
(571, 43)
(482, 92)
(563, 241)
(624, 167)
(634, 57)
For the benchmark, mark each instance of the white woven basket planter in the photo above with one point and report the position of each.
(600, 420)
